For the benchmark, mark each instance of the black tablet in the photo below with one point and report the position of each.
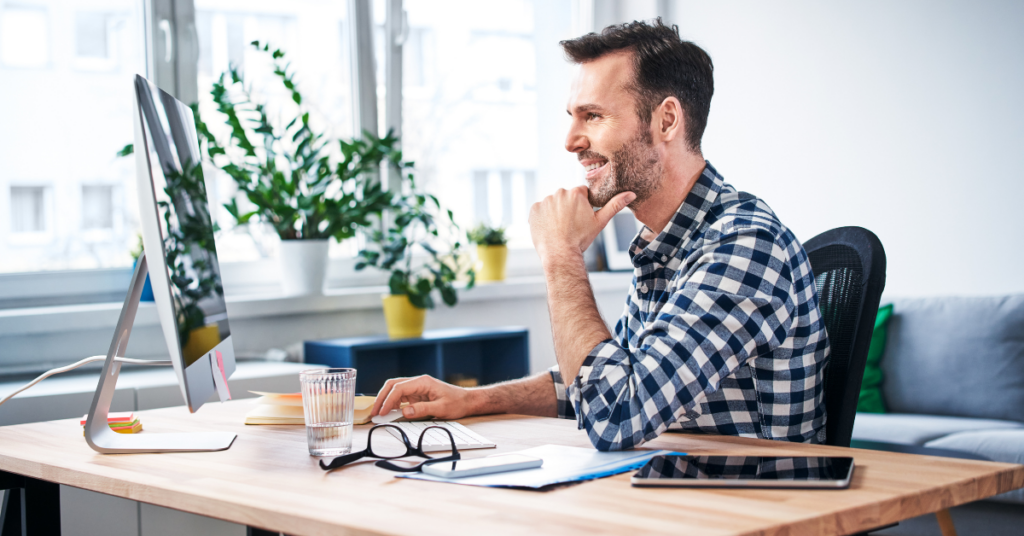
(745, 472)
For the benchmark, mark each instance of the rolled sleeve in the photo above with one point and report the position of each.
(733, 306)
(565, 406)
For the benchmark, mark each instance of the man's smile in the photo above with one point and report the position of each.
(594, 166)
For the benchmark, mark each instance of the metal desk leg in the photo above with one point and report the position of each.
(31, 507)
(10, 513)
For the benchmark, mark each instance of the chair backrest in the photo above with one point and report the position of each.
(849, 273)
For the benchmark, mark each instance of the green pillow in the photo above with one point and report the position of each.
(870, 400)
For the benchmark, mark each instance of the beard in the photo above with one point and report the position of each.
(635, 167)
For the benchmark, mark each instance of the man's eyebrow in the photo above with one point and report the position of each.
(584, 108)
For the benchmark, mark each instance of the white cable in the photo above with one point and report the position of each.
(85, 361)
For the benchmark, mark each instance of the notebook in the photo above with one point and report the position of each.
(286, 408)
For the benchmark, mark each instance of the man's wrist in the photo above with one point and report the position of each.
(566, 260)
(478, 401)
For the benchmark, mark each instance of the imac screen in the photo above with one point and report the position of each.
(186, 229)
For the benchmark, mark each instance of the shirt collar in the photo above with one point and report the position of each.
(684, 224)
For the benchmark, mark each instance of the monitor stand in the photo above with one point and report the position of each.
(98, 434)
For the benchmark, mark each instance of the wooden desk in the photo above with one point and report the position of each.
(266, 479)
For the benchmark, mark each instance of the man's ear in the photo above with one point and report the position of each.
(668, 119)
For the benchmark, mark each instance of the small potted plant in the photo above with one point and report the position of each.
(415, 245)
(287, 177)
(491, 250)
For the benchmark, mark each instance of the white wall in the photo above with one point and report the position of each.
(906, 118)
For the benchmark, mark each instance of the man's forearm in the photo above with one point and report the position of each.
(534, 395)
(576, 324)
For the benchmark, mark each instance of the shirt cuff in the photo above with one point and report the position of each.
(564, 406)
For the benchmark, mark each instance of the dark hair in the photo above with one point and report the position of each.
(663, 65)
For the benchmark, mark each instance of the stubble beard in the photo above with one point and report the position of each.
(635, 167)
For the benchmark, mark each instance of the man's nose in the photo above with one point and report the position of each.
(576, 141)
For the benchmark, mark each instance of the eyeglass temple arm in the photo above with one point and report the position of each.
(342, 460)
(386, 464)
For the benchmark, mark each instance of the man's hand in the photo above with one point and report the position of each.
(427, 397)
(564, 222)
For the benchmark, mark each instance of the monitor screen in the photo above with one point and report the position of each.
(172, 183)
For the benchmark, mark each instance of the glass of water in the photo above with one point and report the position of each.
(328, 401)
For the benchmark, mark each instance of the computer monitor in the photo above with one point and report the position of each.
(177, 232)
(181, 259)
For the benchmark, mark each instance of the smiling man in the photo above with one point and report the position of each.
(721, 331)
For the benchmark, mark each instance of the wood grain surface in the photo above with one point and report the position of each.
(268, 480)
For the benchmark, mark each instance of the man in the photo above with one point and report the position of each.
(721, 332)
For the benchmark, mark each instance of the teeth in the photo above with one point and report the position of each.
(592, 167)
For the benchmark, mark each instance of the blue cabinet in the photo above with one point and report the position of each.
(488, 354)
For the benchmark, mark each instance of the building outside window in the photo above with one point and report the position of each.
(29, 213)
(64, 122)
(97, 206)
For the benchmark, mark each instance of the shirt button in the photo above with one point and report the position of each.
(643, 288)
(664, 258)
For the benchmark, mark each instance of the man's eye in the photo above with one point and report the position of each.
(592, 115)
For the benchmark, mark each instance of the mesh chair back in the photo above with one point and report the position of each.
(849, 273)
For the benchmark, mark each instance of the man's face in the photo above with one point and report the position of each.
(612, 144)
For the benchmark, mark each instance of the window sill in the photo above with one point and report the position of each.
(41, 320)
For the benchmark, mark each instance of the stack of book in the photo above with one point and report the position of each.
(286, 408)
(123, 422)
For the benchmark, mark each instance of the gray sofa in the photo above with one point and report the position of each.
(954, 379)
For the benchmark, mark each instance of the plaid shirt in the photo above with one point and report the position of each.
(721, 332)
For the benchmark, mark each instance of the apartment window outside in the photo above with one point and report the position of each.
(97, 207)
(28, 209)
(24, 36)
(91, 35)
(63, 130)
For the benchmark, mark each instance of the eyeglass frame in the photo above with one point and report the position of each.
(385, 461)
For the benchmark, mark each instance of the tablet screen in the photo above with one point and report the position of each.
(744, 468)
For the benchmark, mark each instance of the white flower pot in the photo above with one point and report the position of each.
(303, 265)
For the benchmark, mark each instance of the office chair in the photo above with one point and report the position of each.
(849, 273)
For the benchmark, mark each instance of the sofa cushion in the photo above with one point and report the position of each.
(918, 429)
(956, 356)
(997, 445)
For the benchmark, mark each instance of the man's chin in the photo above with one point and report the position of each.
(599, 199)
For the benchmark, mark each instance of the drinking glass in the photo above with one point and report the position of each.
(328, 402)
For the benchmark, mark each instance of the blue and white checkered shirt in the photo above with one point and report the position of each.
(721, 332)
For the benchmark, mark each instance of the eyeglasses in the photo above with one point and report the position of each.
(385, 446)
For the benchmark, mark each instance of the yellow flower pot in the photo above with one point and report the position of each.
(493, 262)
(403, 319)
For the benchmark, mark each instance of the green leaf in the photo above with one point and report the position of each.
(126, 150)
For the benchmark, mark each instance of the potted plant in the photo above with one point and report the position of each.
(414, 244)
(491, 250)
(288, 178)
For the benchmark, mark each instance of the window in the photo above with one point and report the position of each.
(64, 131)
(312, 35)
(97, 36)
(28, 210)
(97, 207)
(481, 100)
(24, 37)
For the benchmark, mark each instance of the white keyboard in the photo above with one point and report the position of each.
(437, 440)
